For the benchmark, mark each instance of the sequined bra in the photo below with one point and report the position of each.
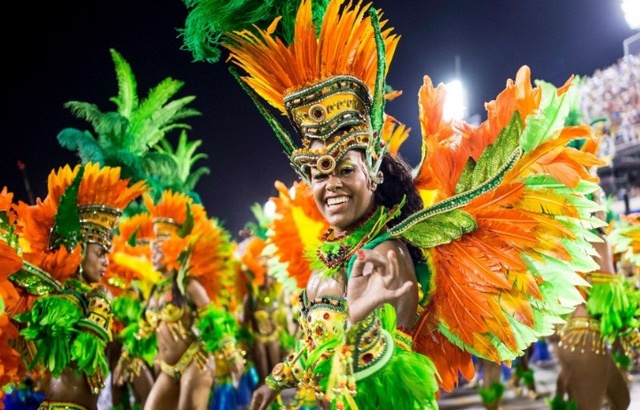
(324, 317)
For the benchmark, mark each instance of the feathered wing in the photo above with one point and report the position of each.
(12, 368)
(505, 227)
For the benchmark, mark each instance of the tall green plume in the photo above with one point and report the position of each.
(209, 20)
(66, 230)
(133, 136)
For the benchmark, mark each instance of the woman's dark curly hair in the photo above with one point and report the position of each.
(398, 183)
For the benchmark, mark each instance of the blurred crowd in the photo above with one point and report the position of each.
(611, 101)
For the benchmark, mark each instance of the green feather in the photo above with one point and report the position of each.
(547, 122)
(51, 325)
(491, 394)
(260, 226)
(185, 157)
(209, 20)
(35, 280)
(188, 224)
(493, 158)
(125, 136)
(89, 353)
(459, 223)
(66, 230)
(377, 110)
(127, 98)
(83, 142)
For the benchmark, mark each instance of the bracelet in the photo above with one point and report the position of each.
(272, 383)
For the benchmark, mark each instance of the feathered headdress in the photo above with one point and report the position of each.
(329, 80)
(192, 243)
(173, 218)
(82, 206)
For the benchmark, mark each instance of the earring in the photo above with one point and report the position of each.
(81, 272)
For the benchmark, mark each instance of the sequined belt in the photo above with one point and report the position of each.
(60, 405)
(582, 333)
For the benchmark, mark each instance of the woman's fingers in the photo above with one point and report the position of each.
(368, 262)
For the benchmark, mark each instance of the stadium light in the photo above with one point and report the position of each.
(455, 105)
(631, 9)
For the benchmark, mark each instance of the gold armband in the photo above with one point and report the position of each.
(403, 339)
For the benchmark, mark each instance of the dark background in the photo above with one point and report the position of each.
(59, 51)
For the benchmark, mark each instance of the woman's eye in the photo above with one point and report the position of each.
(319, 177)
(346, 170)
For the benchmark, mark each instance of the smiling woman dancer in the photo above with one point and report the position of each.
(415, 274)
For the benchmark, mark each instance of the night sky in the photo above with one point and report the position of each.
(60, 52)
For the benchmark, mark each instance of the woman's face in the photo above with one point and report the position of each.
(346, 194)
(95, 262)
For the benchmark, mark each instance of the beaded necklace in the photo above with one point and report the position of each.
(335, 252)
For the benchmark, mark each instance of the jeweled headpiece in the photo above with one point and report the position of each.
(82, 206)
(328, 79)
(97, 195)
(97, 222)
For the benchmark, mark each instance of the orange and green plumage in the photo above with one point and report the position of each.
(99, 185)
(494, 289)
(345, 45)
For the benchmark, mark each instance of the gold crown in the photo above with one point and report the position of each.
(165, 227)
(336, 112)
(97, 222)
(171, 212)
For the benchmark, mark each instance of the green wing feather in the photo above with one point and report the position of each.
(35, 280)
(66, 230)
(444, 221)
(440, 229)
(494, 158)
(550, 119)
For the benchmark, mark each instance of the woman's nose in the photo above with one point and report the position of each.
(333, 182)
